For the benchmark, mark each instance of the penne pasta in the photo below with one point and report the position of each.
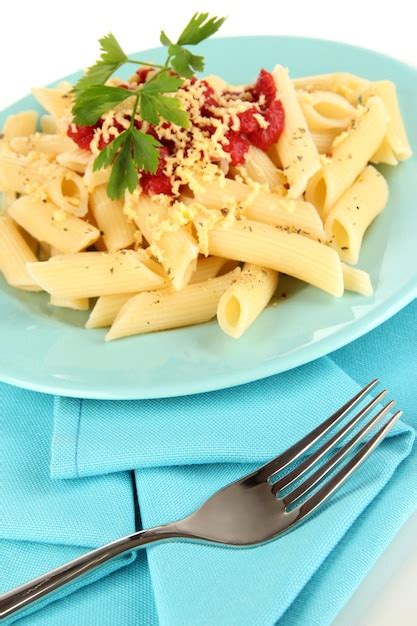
(354, 211)
(14, 254)
(284, 252)
(357, 280)
(260, 168)
(48, 124)
(245, 299)
(76, 160)
(207, 268)
(263, 206)
(396, 137)
(324, 140)
(116, 230)
(326, 110)
(296, 149)
(44, 222)
(106, 309)
(160, 310)
(347, 85)
(349, 157)
(88, 274)
(94, 179)
(20, 124)
(78, 304)
(41, 142)
(62, 186)
(178, 250)
(7, 198)
(55, 100)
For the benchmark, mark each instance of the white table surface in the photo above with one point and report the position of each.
(41, 41)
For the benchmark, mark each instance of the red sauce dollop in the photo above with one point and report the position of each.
(158, 182)
(250, 131)
(82, 135)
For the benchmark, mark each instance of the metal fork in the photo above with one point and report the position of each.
(247, 512)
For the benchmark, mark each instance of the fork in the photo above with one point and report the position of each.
(250, 511)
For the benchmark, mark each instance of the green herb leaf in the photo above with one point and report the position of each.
(170, 109)
(199, 28)
(164, 39)
(145, 151)
(124, 174)
(184, 62)
(162, 83)
(107, 155)
(111, 59)
(91, 103)
(153, 104)
(153, 107)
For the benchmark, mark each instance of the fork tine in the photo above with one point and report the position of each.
(312, 460)
(342, 475)
(319, 474)
(290, 455)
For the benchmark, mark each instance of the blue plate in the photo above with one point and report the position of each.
(46, 348)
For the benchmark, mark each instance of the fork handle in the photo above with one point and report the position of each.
(17, 599)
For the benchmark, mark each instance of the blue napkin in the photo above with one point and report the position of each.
(182, 450)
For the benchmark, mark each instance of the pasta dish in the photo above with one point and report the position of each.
(249, 182)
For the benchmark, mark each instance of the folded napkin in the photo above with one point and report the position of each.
(182, 450)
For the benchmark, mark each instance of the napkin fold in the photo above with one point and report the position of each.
(182, 449)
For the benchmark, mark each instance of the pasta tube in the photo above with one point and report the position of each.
(20, 124)
(62, 186)
(78, 304)
(44, 222)
(117, 231)
(14, 254)
(324, 110)
(160, 310)
(396, 136)
(295, 147)
(178, 249)
(260, 168)
(90, 274)
(41, 142)
(356, 209)
(349, 157)
(262, 206)
(347, 85)
(284, 252)
(357, 280)
(207, 268)
(245, 299)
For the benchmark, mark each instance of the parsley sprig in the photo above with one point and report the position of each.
(134, 149)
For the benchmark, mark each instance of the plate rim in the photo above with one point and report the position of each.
(311, 352)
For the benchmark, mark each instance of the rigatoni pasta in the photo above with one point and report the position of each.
(268, 178)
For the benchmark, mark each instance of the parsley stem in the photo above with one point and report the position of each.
(135, 106)
(145, 63)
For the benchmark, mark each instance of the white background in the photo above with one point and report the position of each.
(42, 41)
